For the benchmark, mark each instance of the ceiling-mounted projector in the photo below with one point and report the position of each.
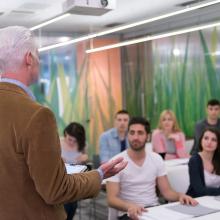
(89, 7)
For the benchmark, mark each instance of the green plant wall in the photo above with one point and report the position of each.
(82, 88)
(155, 79)
(88, 88)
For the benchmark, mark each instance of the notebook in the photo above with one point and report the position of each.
(70, 169)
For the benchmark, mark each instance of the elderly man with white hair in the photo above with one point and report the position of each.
(34, 183)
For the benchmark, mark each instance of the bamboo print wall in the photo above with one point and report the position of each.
(82, 88)
(182, 83)
(87, 89)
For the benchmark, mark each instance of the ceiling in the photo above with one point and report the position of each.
(32, 12)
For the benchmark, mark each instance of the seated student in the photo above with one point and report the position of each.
(204, 167)
(212, 120)
(114, 140)
(73, 152)
(134, 188)
(168, 140)
(73, 144)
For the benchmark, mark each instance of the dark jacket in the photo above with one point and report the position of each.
(197, 185)
(199, 128)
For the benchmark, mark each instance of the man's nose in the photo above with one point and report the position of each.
(135, 136)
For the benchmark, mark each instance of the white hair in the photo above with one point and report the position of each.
(15, 42)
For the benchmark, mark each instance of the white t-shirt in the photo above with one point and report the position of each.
(211, 179)
(138, 183)
(70, 156)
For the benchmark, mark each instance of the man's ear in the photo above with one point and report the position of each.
(29, 58)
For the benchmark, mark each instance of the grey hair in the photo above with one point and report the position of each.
(15, 42)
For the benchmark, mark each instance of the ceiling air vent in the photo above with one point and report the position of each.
(113, 25)
(22, 12)
(33, 6)
(189, 3)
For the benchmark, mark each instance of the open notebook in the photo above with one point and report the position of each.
(195, 211)
(177, 212)
(70, 169)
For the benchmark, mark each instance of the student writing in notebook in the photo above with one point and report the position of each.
(73, 152)
(73, 144)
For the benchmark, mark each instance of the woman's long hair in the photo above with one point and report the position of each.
(77, 131)
(216, 156)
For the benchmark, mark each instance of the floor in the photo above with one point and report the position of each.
(93, 209)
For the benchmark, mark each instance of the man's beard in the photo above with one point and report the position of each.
(137, 148)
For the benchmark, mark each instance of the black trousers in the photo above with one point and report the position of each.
(124, 217)
(70, 209)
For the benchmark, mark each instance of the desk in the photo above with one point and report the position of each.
(208, 201)
(214, 216)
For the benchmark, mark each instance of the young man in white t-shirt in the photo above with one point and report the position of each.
(134, 188)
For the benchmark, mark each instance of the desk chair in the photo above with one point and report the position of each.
(178, 177)
(89, 204)
(148, 147)
(189, 144)
(96, 161)
(112, 214)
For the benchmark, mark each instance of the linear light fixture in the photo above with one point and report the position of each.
(148, 38)
(127, 26)
(188, 9)
(64, 43)
(50, 21)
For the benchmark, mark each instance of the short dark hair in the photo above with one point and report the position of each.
(122, 111)
(77, 131)
(213, 102)
(140, 120)
(216, 156)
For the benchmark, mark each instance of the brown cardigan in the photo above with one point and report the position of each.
(33, 180)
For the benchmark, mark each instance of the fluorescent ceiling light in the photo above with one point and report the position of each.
(63, 43)
(127, 26)
(176, 52)
(188, 9)
(64, 39)
(49, 21)
(148, 38)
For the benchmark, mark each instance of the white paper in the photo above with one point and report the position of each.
(162, 213)
(198, 210)
(209, 201)
(70, 169)
(217, 198)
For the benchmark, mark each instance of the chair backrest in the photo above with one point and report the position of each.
(148, 147)
(112, 214)
(188, 145)
(178, 177)
(96, 161)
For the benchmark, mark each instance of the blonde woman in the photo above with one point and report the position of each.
(168, 140)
